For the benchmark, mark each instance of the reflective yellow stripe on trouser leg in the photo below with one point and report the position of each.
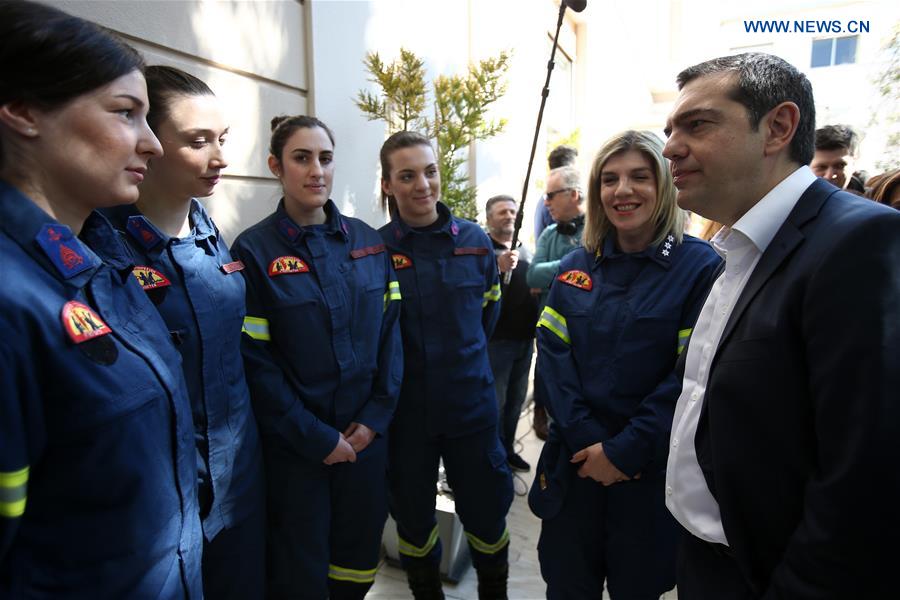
(417, 551)
(352, 575)
(483, 547)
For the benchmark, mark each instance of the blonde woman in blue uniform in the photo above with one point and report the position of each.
(324, 363)
(617, 317)
(185, 268)
(98, 492)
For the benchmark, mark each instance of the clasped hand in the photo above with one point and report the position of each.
(598, 467)
(354, 440)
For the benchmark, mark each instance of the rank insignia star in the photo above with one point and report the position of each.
(150, 278)
(578, 279)
(665, 252)
(285, 265)
(400, 261)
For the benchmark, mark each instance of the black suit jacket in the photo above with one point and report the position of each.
(799, 437)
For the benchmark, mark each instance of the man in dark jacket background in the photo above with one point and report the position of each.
(511, 347)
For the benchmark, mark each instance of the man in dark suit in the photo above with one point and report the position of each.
(784, 459)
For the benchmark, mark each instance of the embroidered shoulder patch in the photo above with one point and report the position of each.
(361, 252)
(477, 251)
(150, 278)
(285, 265)
(578, 279)
(233, 267)
(64, 250)
(142, 231)
(81, 322)
(400, 261)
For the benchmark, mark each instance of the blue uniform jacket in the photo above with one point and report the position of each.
(322, 346)
(199, 292)
(609, 338)
(97, 471)
(451, 296)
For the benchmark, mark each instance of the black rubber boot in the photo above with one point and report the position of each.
(425, 582)
(492, 582)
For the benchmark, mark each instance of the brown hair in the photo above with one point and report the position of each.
(284, 126)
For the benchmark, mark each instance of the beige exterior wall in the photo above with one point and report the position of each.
(254, 55)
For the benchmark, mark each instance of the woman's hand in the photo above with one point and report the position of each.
(359, 436)
(598, 467)
(343, 452)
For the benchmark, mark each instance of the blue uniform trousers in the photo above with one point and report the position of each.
(234, 562)
(510, 363)
(312, 504)
(622, 534)
(482, 488)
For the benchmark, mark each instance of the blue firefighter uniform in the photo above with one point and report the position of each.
(451, 293)
(322, 350)
(199, 292)
(98, 493)
(609, 338)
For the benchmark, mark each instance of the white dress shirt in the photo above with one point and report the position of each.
(687, 495)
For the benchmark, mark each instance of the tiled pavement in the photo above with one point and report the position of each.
(525, 581)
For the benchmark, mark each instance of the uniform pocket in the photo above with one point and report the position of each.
(551, 481)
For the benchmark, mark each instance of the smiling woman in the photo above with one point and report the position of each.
(97, 485)
(616, 319)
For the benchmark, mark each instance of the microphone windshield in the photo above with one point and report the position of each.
(576, 5)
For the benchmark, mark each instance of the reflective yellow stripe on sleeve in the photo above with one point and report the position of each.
(492, 295)
(556, 323)
(683, 336)
(392, 294)
(13, 489)
(416, 551)
(485, 548)
(257, 328)
(352, 575)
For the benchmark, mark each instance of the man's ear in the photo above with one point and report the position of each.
(20, 117)
(780, 127)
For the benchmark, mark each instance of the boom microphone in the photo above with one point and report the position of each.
(576, 6)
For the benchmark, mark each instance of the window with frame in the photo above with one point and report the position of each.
(834, 51)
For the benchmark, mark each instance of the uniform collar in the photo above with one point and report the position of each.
(50, 243)
(449, 227)
(334, 223)
(660, 253)
(151, 238)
